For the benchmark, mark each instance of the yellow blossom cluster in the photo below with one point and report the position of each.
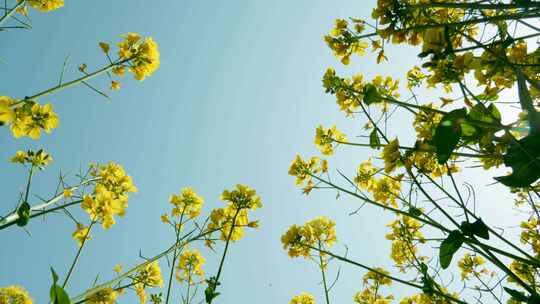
(27, 118)
(303, 298)
(149, 275)
(14, 295)
(38, 159)
(232, 219)
(303, 170)
(391, 156)
(327, 139)
(142, 54)
(530, 234)
(523, 271)
(405, 237)
(319, 232)
(189, 265)
(471, 265)
(385, 190)
(348, 91)
(103, 296)
(344, 43)
(373, 280)
(187, 203)
(44, 5)
(109, 197)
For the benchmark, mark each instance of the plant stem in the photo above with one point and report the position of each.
(321, 262)
(72, 267)
(10, 13)
(225, 250)
(174, 257)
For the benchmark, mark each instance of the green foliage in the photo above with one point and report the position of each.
(449, 247)
(57, 293)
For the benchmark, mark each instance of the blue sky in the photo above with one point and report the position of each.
(237, 96)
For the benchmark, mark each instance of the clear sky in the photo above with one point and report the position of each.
(237, 96)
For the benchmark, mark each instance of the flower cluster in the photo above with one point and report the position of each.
(189, 265)
(103, 296)
(110, 194)
(319, 232)
(27, 118)
(344, 42)
(232, 219)
(303, 170)
(149, 275)
(373, 280)
(530, 234)
(39, 159)
(405, 237)
(14, 294)
(326, 139)
(391, 156)
(471, 265)
(44, 5)
(142, 54)
(187, 203)
(303, 298)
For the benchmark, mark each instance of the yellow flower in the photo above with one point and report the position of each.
(186, 203)
(45, 5)
(365, 175)
(150, 275)
(14, 295)
(470, 265)
(326, 138)
(81, 234)
(7, 115)
(242, 197)
(103, 296)
(110, 194)
(391, 156)
(190, 264)
(165, 218)
(105, 47)
(386, 190)
(302, 170)
(318, 232)
(115, 85)
(67, 193)
(38, 159)
(142, 54)
(303, 298)
(29, 121)
(118, 268)
(119, 70)
(141, 293)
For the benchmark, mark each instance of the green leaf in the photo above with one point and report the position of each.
(24, 214)
(524, 158)
(480, 229)
(449, 247)
(374, 140)
(57, 293)
(517, 295)
(371, 94)
(448, 133)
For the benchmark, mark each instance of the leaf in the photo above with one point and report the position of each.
(448, 133)
(371, 94)
(518, 295)
(24, 214)
(450, 246)
(374, 140)
(57, 293)
(523, 156)
(480, 229)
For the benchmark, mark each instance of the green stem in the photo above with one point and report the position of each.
(10, 13)
(73, 82)
(12, 218)
(344, 259)
(72, 267)
(225, 250)
(178, 229)
(321, 262)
